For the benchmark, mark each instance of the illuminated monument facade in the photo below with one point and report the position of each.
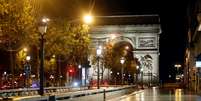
(140, 31)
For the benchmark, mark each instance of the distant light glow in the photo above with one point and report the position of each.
(28, 58)
(88, 19)
(25, 49)
(122, 60)
(70, 70)
(141, 69)
(51, 77)
(45, 20)
(117, 73)
(5, 73)
(33, 76)
(177, 65)
(177, 78)
(99, 51)
(126, 47)
(75, 84)
(79, 66)
(137, 67)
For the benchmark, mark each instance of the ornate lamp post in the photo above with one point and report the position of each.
(137, 71)
(141, 70)
(27, 68)
(98, 53)
(116, 77)
(42, 29)
(80, 74)
(177, 66)
(122, 60)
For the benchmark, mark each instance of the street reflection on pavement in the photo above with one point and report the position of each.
(156, 94)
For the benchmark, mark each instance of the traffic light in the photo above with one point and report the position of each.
(70, 70)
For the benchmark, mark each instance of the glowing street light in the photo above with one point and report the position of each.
(28, 58)
(79, 66)
(141, 70)
(177, 65)
(137, 67)
(88, 19)
(4, 73)
(117, 73)
(122, 60)
(25, 49)
(45, 20)
(137, 71)
(126, 47)
(42, 29)
(98, 52)
(80, 72)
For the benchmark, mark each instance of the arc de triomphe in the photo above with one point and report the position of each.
(141, 31)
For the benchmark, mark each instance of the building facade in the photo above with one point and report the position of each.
(193, 49)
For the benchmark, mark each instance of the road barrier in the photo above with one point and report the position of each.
(75, 94)
(34, 91)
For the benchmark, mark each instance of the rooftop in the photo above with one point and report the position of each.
(126, 20)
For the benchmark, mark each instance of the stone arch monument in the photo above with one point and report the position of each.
(141, 31)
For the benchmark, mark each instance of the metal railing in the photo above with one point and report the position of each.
(34, 91)
(75, 94)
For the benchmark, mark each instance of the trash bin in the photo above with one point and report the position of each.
(52, 98)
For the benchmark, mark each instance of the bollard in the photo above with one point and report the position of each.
(52, 98)
(104, 95)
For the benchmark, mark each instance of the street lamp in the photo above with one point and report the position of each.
(141, 70)
(52, 80)
(98, 52)
(80, 73)
(177, 70)
(28, 58)
(27, 69)
(25, 49)
(88, 19)
(110, 76)
(42, 29)
(137, 70)
(122, 60)
(126, 47)
(116, 78)
(177, 66)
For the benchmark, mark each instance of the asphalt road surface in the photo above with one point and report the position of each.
(156, 94)
(152, 94)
